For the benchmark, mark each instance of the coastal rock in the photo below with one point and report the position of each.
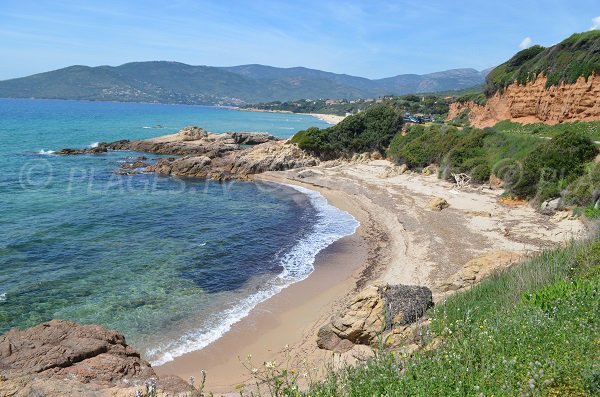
(252, 138)
(373, 311)
(308, 174)
(88, 353)
(192, 133)
(393, 171)
(190, 166)
(551, 205)
(479, 268)
(94, 150)
(431, 169)
(495, 181)
(271, 156)
(437, 204)
(60, 358)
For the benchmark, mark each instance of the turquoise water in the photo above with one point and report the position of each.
(171, 263)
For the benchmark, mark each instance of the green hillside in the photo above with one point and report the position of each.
(174, 82)
(579, 55)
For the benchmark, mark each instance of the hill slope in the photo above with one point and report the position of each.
(173, 82)
(565, 62)
(541, 85)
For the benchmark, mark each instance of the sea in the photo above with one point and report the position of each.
(171, 263)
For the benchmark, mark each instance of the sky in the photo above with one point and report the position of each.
(367, 38)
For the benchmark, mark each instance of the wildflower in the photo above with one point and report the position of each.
(270, 364)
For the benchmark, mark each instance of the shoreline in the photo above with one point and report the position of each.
(402, 242)
(331, 119)
(294, 314)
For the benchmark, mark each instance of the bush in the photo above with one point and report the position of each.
(371, 130)
(581, 191)
(481, 173)
(423, 146)
(560, 159)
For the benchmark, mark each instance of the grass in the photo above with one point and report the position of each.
(532, 330)
(590, 129)
(576, 56)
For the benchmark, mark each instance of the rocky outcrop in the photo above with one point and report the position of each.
(61, 358)
(192, 133)
(479, 268)
(534, 103)
(373, 311)
(188, 141)
(272, 156)
(204, 155)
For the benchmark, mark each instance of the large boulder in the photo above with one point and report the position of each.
(252, 138)
(192, 133)
(88, 353)
(374, 310)
(437, 204)
(60, 358)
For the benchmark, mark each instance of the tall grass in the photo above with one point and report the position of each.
(531, 330)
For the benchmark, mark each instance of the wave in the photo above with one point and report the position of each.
(3, 297)
(332, 224)
(93, 145)
(46, 152)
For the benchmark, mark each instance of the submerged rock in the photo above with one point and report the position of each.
(373, 311)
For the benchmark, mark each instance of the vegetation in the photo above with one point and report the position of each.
(427, 104)
(578, 55)
(590, 129)
(531, 167)
(553, 165)
(531, 330)
(371, 130)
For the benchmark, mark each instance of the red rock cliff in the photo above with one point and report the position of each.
(534, 103)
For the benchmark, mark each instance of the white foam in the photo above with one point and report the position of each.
(3, 297)
(46, 152)
(332, 224)
(93, 145)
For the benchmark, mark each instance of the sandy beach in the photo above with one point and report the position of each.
(328, 118)
(400, 241)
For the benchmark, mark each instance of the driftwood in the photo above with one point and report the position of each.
(461, 180)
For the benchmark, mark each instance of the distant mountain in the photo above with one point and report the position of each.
(174, 82)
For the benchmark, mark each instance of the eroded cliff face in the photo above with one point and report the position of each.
(534, 103)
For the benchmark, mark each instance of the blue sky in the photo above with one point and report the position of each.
(366, 38)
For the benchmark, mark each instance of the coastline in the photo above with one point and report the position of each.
(332, 119)
(399, 241)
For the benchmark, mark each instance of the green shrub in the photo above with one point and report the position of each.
(422, 148)
(578, 55)
(481, 173)
(371, 130)
(581, 191)
(561, 158)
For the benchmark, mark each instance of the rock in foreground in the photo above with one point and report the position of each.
(371, 312)
(61, 358)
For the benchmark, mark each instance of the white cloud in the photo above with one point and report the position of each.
(526, 43)
(595, 23)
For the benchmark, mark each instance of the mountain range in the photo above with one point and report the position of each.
(174, 82)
